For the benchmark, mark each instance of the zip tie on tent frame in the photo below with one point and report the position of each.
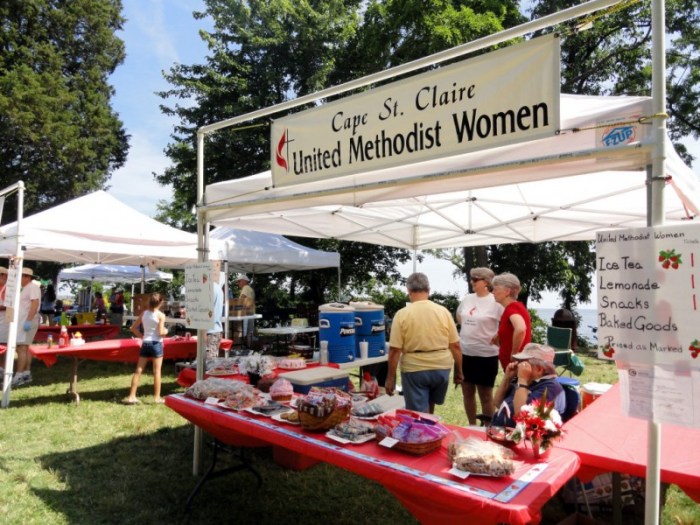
(587, 21)
(640, 120)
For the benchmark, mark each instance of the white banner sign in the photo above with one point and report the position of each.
(504, 97)
(648, 282)
(199, 295)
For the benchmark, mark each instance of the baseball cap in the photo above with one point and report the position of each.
(242, 277)
(27, 271)
(536, 351)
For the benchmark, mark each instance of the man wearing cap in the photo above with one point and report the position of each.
(28, 323)
(526, 379)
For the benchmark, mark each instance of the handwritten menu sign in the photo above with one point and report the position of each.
(199, 298)
(648, 282)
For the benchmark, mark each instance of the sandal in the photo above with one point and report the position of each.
(159, 401)
(131, 402)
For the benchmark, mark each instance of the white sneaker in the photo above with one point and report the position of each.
(27, 377)
(18, 380)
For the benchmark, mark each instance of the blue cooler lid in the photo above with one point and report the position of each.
(366, 305)
(335, 307)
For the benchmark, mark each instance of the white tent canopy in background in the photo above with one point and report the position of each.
(97, 228)
(257, 252)
(565, 187)
(112, 273)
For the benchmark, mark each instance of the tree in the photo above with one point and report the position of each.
(565, 267)
(261, 53)
(614, 57)
(58, 132)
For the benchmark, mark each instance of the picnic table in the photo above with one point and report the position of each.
(119, 350)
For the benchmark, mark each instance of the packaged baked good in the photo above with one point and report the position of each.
(484, 458)
(213, 387)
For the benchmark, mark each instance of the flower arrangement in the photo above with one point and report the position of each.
(540, 423)
(257, 364)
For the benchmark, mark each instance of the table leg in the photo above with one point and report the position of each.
(211, 473)
(617, 498)
(73, 385)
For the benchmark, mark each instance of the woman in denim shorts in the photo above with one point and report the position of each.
(153, 323)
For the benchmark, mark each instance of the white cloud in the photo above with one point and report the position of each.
(134, 184)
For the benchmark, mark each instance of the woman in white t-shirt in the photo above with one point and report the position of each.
(153, 322)
(478, 315)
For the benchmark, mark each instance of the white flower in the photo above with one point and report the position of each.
(555, 417)
(549, 426)
(256, 364)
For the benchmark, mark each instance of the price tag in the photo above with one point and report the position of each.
(211, 401)
(388, 442)
(459, 473)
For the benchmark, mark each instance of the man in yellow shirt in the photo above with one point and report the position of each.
(424, 339)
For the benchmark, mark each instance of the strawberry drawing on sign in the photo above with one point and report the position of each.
(670, 259)
(608, 351)
(694, 348)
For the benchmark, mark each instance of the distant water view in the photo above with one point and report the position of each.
(586, 326)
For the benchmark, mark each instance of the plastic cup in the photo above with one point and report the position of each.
(364, 349)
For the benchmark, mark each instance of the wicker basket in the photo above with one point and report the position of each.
(321, 424)
(417, 449)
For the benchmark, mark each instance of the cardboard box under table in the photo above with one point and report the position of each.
(322, 376)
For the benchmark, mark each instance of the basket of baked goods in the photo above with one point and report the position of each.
(323, 408)
(479, 457)
(412, 433)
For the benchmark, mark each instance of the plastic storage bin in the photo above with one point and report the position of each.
(323, 376)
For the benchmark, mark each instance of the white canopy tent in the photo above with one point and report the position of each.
(97, 228)
(258, 252)
(112, 273)
(564, 187)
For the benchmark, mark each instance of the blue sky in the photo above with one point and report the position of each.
(158, 34)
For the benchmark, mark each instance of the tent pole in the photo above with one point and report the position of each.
(12, 333)
(656, 218)
(226, 303)
(202, 256)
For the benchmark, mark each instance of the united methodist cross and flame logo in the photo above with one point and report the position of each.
(281, 151)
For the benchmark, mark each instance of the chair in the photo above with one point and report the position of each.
(572, 395)
(560, 340)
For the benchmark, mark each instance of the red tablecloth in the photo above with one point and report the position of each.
(608, 441)
(122, 350)
(188, 376)
(422, 484)
(88, 331)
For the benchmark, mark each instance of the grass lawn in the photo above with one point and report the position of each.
(102, 462)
